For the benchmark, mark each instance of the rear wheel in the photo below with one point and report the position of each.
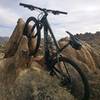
(71, 77)
(32, 31)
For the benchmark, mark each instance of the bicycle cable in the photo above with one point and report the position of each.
(39, 16)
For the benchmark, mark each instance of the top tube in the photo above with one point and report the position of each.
(31, 7)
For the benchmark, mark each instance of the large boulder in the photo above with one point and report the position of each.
(12, 44)
(86, 57)
(92, 39)
(15, 39)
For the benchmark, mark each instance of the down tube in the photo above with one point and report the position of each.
(51, 32)
(47, 53)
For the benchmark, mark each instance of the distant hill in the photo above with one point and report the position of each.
(91, 38)
(3, 39)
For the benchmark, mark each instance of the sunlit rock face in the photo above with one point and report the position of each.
(92, 39)
(15, 38)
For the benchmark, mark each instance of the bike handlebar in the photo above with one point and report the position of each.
(31, 7)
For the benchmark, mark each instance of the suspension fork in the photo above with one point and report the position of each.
(47, 56)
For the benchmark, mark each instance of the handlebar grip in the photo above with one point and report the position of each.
(27, 6)
(62, 12)
(58, 12)
(22, 4)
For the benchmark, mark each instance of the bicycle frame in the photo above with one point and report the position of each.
(55, 61)
(46, 26)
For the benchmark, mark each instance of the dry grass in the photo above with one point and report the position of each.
(31, 84)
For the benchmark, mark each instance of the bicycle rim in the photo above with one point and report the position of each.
(72, 78)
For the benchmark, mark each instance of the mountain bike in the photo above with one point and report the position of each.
(67, 71)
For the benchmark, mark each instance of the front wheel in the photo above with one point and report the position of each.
(71, 77)
(32, 31)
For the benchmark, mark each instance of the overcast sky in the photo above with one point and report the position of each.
(83, 15)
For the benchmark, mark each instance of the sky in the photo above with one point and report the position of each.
(83, 15)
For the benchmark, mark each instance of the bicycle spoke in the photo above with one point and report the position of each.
(57, 71)
(67, 70)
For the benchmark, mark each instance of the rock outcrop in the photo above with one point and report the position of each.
(85, 57)
(93, 39)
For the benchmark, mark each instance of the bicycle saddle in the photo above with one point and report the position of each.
(74, 41)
